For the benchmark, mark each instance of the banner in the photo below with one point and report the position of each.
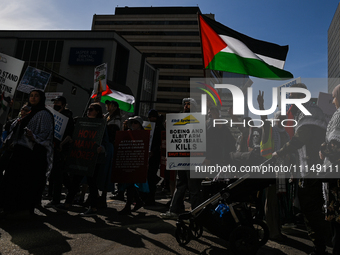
(147, 125)
(131, 156)
(325, 103)
(87, 137)
(33, 79)
(10, 70)
(185, 140)
(60, 123)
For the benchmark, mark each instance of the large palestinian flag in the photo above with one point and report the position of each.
(227, 50)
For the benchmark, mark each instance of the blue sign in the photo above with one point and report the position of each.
(86, 56)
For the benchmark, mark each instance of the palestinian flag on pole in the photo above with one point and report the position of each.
(229, 51)
(125, 101)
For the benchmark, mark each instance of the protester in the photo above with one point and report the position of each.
(154, 156)
(220, 142)
(242, 143)
(273, 138)
(132, 193)
(58, 175)
(309, 134)
(94, 111)
(32, 155)
(113, 118)
(184, 181)
(330, 150)
(5, 151)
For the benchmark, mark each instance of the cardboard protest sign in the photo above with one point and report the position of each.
(100, 74)
(60, 123)
(131, 155)
(87, 137)
(325, 103)
(147, 125)
(33, 79)
(10, 70)
(185, 140)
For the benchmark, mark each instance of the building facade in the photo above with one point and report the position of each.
(334, 51)
(71, 57)
(169, 39)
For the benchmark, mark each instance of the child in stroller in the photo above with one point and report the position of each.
(228, 214)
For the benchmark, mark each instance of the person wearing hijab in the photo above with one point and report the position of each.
(32, 145)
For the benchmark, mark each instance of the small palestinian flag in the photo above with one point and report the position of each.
(229, 51)
(125, 101)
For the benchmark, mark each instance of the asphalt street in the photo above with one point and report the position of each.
(143, 232)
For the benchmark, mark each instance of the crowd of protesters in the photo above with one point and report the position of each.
(33, 161)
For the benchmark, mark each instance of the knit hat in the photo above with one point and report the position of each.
(136, 118)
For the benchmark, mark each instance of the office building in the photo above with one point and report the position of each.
(169, 39)
(71, 57)
(334, 51)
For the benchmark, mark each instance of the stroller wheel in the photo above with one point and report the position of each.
(243, 240)
(262, 231)
(182, 234)
(196, 229)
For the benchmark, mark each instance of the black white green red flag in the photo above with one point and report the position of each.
(230, 51)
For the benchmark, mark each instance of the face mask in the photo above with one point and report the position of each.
(57, 107)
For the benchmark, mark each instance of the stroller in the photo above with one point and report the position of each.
(228, 214)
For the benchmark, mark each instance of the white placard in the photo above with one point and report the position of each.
(33, 79)
(60, 123)
(185, 140)
(10, 70)
(100, 74)
(147, 125)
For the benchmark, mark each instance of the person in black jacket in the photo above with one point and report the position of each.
(58, 176)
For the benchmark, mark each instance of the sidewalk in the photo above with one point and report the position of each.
(144, 232)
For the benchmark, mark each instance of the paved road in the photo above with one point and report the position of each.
(51, 232)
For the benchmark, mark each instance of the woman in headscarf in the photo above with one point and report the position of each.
(32, 145)
(330, 150)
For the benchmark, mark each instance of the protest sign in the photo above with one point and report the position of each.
(185, 140)
(100, 74)
(131, 155)
(87, 137)
(10, 70)
(147, 125)
(325, 103)
(50, 96)
(33, 79)
(60, 123)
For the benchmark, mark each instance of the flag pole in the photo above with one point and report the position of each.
(199, 31)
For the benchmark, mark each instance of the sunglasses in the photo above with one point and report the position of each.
(134, 122)
(90, 109)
